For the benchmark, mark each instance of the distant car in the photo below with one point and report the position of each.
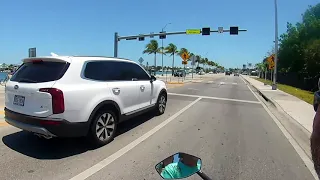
(179, 74)
(236, 74)
(228, 73)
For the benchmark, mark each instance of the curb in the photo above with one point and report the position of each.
(260, 93)
(277, 106)
(174, 82)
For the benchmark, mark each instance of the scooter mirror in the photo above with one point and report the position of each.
(178, 166)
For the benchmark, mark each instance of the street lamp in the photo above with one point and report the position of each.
(162, 46)
(274, 85)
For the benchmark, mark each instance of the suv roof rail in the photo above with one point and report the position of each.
(102, 57)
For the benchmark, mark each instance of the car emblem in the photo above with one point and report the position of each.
(16, 87)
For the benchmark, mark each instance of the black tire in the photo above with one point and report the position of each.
(109, 119)
(161, 103)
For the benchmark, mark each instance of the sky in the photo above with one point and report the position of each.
(79, 27)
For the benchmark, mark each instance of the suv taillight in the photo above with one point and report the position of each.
(57, 99)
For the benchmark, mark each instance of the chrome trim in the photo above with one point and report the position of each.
(28, 127)
(138, 110)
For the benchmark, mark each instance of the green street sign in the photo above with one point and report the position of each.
(193, 31)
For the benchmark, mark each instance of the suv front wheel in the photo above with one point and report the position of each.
(103, 128)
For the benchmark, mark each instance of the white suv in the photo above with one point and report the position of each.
(71, 96)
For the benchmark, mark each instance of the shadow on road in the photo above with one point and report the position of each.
(58, 148)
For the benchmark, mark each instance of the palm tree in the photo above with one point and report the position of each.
(172, 50)
(205, 62)
(202, 61)
(262, 67)
(153, 48)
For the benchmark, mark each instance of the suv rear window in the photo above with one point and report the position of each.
(40, 71)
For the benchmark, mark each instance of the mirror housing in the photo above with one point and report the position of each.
(178, 166)
(152, 78)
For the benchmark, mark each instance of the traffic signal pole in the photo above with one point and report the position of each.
(116, 44)
(117, 38)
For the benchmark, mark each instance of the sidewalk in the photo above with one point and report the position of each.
(169, 79)
(298, 109)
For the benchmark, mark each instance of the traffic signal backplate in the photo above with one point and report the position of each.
(205, 31)
(234, 30)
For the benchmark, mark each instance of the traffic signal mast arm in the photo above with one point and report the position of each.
(166, 33)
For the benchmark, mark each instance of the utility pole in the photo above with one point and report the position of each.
(274, 85)
(162, 46)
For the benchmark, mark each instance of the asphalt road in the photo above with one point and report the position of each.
(219, 120)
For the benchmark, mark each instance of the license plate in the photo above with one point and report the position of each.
(18, 100)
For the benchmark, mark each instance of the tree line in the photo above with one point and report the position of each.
(172, 50)
(299, 51)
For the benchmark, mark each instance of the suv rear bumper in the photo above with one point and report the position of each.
(46, 126)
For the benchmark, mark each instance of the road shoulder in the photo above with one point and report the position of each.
(296, 134)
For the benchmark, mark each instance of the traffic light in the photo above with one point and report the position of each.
(162, 36)
(206, 31)
(234, 30)
(141, 38)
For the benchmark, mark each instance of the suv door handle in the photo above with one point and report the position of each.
(116, 90)
(142, 87)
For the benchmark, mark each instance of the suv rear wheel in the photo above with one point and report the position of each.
(103, 128)
(161, 103)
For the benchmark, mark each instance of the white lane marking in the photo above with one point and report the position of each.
(234, 83)
(305, 158)
(210, 82)
(215, 98)
(193, 89)
(222, 83)
(97, 167)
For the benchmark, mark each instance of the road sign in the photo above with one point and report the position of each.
(193, 31)
(220, 29)
(193, 60)
(271, 61)
(185, 56)
(184, 62)
(141, 60)
(32, 52)
(133, 38)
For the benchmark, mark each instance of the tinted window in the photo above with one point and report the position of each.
(114, 71)
(40, 71)
(140, 73)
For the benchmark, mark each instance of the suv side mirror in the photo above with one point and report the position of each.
(152, 78)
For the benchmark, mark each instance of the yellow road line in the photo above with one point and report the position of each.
(3, 124)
